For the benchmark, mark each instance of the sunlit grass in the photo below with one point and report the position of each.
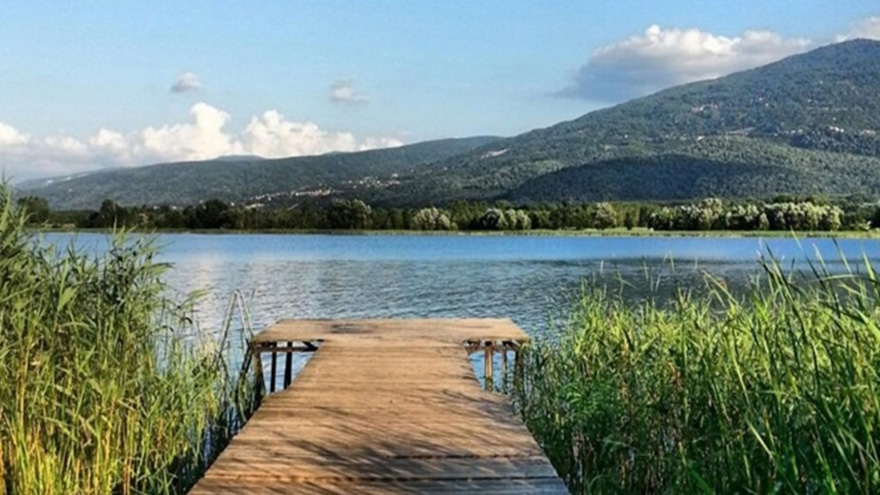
(106, 385)
(773, 391)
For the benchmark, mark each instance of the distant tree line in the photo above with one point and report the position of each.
(712, 214)
(782, 213)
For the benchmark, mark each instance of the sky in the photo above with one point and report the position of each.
(96, 84)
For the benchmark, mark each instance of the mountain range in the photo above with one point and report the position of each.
(808, 124)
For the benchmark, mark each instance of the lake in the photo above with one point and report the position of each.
(527, 278)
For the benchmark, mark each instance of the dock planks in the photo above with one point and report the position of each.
(385, 407)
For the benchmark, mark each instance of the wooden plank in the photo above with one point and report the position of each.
(410, 439)
(388, 414)
(441, 330)
(242, 466)
(539, 486)
(385, 407)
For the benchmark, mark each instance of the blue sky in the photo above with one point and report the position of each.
(90, 84)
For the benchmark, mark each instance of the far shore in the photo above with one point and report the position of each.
(617, 232)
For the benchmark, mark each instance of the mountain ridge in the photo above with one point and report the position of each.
(231, 180)
(769, 103)
(810, 122)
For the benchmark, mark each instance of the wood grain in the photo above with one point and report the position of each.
(385, 407)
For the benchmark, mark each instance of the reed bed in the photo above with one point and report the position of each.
(106, 385)
(776, 390)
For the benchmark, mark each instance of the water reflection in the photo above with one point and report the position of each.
(526, 278)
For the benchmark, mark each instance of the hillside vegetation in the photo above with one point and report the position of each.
(808, 124)
(775, 116)
(728, 167)
(248, 178)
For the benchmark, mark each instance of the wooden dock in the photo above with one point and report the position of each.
(383, 407)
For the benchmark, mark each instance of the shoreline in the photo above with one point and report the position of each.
(639, 232)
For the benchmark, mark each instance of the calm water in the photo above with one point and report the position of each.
(526, 278)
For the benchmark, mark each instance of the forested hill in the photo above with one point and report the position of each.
(248, 179)
(805, 124)
(827, 99)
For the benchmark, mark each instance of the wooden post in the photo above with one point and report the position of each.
(504, 367)
(273, 369)
(288, 365)
(517, 369)
(489, 365)
(258, 370)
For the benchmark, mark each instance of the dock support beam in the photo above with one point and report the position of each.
(288, 365)
(259, 378)
(273, 368)
(489, 365)
(517, 369)
(275, 349)
(504, 380)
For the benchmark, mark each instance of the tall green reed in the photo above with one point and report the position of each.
(106, 384)
(776, 390)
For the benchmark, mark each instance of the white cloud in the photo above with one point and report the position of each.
(661, 57)
(187, 82)
(200, 139)
(10, 136)
(342, 91)
(273, 135)
(110, 142)
(375, 143)
(866, 28)
(204, 137)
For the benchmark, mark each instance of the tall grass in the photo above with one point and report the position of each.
(106, 387)
(773, 391)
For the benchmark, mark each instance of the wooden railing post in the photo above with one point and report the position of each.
(273, 368)
(517, 368)
(504, 367)
(258, 370)
(489, 365)
(288, 365)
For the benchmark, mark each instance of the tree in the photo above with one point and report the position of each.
(349, 214)
(37, 209)
(209, 215)
(763, 222)
(631, 218)
(111, 215)
(604, 216)
(831, 220)
(464, 214)
(431, 219)
(540, 219)
(662, 219)
(707, 214)
(493, 219)
(380, 219)
(518, 220)
(397, 220)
